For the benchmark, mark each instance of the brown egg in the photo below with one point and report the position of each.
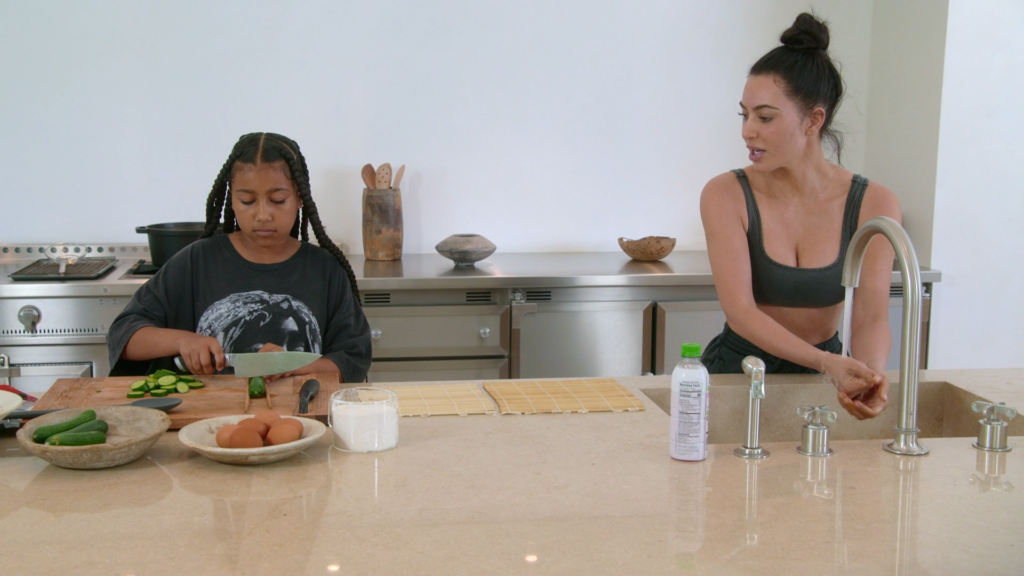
(245, 437)
(224, 433)
(268, 417)
(292, 422)
(282, 435)
(256, 425)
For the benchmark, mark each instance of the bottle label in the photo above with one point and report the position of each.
(689, 421)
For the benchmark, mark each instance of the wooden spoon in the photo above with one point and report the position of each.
(369, 175)
(398, 176)
(384, 176)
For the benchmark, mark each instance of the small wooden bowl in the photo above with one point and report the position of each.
(649, 248)
(133, 430)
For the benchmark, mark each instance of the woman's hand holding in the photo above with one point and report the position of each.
(203, 355)
(863, 392)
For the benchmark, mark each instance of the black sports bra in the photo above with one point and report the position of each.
(776, 284)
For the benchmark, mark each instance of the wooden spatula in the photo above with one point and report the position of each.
(383, 176)
(369, 176)
(398, 176)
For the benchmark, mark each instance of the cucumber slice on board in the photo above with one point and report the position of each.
(141, 385)
(136, 394)
(182, 387)
(166, 380)
(159, 393)
(196, 384)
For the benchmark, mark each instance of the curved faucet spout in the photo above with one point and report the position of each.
(910, 271)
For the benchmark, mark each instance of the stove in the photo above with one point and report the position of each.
(141, 269)
(51, 330)
(83, 269)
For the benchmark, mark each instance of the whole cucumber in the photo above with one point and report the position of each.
(44, 432)
(77, 438)
(90, 426)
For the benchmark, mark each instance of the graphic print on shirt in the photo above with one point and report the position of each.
(245, 321)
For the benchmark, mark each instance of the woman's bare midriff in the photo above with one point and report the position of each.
(812, 325)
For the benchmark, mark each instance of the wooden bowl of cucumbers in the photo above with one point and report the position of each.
(97, 437)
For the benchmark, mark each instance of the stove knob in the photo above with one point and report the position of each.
(29, 316)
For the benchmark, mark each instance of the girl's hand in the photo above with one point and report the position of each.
(862, 391)
(203, 355)
(268, 347)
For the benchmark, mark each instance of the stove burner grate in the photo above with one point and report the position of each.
(84, 269)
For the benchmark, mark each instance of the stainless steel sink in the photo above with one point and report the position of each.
(944, 411)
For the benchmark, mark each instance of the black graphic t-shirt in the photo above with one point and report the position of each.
(302, 304)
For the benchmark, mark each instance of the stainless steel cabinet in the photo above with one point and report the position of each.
(425, 336)
(554, 339)
(680, 322)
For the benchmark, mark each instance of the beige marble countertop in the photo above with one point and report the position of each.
(565, 493)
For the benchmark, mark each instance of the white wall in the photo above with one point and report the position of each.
(978, 315)
(543, 125)
(908, 41)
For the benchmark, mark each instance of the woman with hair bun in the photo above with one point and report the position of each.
(253, 282)
(777, 232)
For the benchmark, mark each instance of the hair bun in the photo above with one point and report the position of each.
(807, 34)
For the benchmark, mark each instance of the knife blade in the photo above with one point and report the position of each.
(251, 364)
(306, 393)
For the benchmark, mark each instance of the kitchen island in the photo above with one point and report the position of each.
(588, 493)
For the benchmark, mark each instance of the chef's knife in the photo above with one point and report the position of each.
(252, 364)
(306, 393)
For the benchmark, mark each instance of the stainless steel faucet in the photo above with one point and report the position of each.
(753, 367)
(906, 424)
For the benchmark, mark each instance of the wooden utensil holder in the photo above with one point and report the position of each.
(382, 224)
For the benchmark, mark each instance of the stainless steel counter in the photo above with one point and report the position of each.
(432, 271)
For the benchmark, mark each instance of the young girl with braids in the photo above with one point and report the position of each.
(250, 284)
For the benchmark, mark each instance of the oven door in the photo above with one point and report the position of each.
(34, 369)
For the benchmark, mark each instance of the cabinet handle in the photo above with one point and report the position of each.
(376, 334)
(485, 332)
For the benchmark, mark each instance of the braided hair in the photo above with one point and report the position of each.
(265, 147)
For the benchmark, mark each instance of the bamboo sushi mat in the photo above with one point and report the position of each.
(441, 399)
(562, 396)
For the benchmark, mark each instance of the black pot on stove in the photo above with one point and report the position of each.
(165, 240)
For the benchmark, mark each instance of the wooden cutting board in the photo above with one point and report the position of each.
(222, 396)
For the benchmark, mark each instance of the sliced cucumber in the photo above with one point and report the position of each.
(196, 384)
(136, 394)
(165, 380)
(162, 372)
(159, 393)
(186, 379)
(140, 385)
(182, 387)
(150, 380)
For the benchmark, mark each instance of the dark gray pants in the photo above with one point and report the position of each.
(727, 350)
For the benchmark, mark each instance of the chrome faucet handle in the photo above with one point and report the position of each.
(992, 430)
(754, 367)
(992, 411)
(814, 415)
(814, 436)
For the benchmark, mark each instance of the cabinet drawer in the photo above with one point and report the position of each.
(438, 370)
(435, 331)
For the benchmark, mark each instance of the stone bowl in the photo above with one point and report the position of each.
(465, 249)
(132, 432)
(201, 436)
(648, 248)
